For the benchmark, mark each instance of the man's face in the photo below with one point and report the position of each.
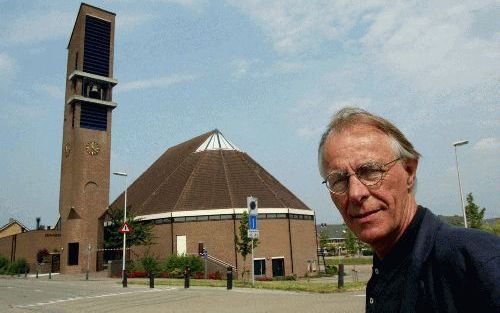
(377, 214)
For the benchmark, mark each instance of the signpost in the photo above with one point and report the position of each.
(253, 232)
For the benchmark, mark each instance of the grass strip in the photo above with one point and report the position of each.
(299, 285)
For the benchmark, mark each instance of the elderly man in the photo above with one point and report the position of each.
(420, 264)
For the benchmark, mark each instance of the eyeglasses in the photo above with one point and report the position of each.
(368, 174)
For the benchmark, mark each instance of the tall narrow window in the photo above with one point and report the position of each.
(76, 61)
(73, 250)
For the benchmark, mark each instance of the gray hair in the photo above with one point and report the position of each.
(350, 116)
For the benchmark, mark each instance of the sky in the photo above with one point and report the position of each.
(268, 74)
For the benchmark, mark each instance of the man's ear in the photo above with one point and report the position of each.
(410, 166)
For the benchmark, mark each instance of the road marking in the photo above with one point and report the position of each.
(360, 295)
(93, 297)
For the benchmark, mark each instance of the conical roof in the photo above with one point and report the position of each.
(205, 173)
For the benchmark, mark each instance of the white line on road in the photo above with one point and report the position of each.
(94, 297)
(360, 295)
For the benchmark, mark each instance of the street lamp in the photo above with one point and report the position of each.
(456, 144)
(124, 221)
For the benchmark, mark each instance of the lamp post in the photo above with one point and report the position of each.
(456, 144)
(124, 221)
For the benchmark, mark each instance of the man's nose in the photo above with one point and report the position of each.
(357, 190)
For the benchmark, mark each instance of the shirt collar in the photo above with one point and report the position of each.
(404, 246)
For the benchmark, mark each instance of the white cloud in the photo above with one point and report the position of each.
(129, 21)
(38, 26)
(434, 46)
(53, 91)
(240, 67)
(161, 82)
(7, 65)
(303, 25)
(431, 46)
(490, 144)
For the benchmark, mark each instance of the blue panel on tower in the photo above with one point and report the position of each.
(97, 46)
(94, 117)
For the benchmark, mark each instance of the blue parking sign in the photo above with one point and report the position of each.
(252, 222)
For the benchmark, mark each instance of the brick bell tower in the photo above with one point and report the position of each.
(86, 146)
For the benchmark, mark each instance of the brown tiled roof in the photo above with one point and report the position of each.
(184, 180)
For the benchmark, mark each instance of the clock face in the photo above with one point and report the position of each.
(67, 149)
(92, 148)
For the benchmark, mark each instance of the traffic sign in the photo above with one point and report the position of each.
(125, 229)
(252, 222)
(253, 234)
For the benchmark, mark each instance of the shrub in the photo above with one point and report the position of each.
(177, 263)
(331, 270)
(42, 256)
(137, 274)
(150, 264)
(4, 264)
(217, 275)
(18, 266)
(366, 252)
(291, 277)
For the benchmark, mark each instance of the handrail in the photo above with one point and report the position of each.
(220, 262)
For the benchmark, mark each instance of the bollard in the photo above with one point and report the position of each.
(25, 272)
(151, 280)
(36, 273)
(87, 275)
(229, 278)
(341, 276)
(124, 281)
(186, 277)
(50, 274)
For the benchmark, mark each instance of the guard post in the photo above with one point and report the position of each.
(50, 274)
(341, 276)
(229, 278)
(186, 277)
(124, 281)
(151, 280)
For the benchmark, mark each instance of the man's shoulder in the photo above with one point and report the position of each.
(451, 241)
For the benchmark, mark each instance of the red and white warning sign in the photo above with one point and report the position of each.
(125, 229)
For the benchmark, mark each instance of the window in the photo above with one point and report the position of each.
(97, 46)
(259, 267)
(94, 117)
(73, 250)
(278, 267)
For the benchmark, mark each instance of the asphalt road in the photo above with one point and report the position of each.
(76, 295)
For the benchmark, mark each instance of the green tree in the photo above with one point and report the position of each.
(244, 243)
(351, 242)
(494, 229)
(474, 213)
(142, 232)
(323, 237)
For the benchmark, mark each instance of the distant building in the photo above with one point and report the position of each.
(13, 227)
